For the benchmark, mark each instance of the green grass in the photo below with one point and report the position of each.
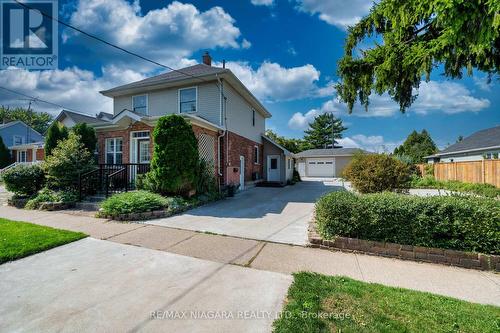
(485, 190)
(347, 305)
(19, 239)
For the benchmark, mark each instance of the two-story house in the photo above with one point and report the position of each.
(227, 119)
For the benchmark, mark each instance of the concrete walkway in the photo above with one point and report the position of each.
(269, 214)
(470, 285)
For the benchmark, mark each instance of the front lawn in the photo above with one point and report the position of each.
(319, 303)
(19, 239)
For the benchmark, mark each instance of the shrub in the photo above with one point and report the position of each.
(24, 180)
(175, 157)
(5, 158)
(133, 202)
(485, 190)
(68, 160)
(296, 176)
(371, 173)
(47, 195)
(55, 134)
(451, 222)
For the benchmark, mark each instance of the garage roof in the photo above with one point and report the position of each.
(329, 152)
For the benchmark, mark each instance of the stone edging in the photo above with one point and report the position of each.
(49, 206)
(17, 202)
(480, 261)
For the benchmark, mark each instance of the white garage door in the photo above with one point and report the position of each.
(321, 168)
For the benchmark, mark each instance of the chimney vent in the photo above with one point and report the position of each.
(223, 63)
(207, 59)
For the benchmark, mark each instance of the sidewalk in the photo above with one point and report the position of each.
(470, 285)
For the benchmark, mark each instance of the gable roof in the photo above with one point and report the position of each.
(79, 117)
(329, 152)
(15, 122)
(189, 75)
(285, 151)
(199, 70)
(484, 139)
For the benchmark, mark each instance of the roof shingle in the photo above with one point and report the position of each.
(489, 137)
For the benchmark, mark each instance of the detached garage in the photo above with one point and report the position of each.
(324, 163)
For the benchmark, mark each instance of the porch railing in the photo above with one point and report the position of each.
(107, 179)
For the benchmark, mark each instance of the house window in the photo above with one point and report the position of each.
(289, 163)
(18, 140)
(140, 104)
(21, 156)
(253, 117)
(187, 100)
(256, 154)
(114, 151)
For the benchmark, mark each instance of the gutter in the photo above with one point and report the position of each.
(462, 151)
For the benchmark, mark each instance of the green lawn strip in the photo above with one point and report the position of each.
(347, 305)
(20, 239)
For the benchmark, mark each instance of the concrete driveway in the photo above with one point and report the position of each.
(272, 214)
(101, 286)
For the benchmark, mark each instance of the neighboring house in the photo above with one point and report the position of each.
(227, 119)
(279, 162)
(24, 143)
(479, 146)
(324, 162)
(71, 118)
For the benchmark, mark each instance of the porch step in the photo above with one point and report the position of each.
(87, 206)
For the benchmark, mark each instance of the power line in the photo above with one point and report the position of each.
(108, 43)
(36, 99)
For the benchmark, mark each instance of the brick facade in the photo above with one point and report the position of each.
(234, 144)
(241, 146)
(40, 155)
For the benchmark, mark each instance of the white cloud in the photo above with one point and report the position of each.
(340, 13)
(262, 2)
(72, 88)
(272, 82)
(167, 34)
(246, 44)
(446, 97)
(373, 143)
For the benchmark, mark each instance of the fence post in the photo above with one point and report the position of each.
(126, 178)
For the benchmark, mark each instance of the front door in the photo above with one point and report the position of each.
(143, 154)
(273, 168)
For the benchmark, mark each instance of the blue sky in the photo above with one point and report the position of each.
(285, 51)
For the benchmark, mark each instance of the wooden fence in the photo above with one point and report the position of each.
(486, 171)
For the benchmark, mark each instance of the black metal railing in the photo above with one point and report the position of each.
(110, 178)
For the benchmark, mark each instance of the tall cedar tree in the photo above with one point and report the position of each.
(416, 147)
(413, 38)
(87, 135)
(4, 155)
(55, 133)
(175, 157)
(39, 121)
(321, 134)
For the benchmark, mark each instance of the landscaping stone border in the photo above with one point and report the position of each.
(53, 206)
(487, 262)
(17, 202)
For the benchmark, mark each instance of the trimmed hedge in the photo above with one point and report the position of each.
(450, 222)
(132, 202)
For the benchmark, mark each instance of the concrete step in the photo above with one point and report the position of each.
(87, 206)
(95, 198)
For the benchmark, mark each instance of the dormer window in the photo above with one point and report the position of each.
(187, 100)
(140, 104)
(18, 140)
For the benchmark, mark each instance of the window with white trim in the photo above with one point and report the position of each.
(256, 154)
(140, 104)
(187, 100)
(289, 163)
(114, 151)
(17, 140)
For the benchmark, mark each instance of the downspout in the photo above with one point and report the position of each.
(222, 119)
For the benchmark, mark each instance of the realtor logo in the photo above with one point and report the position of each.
(29, 38)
